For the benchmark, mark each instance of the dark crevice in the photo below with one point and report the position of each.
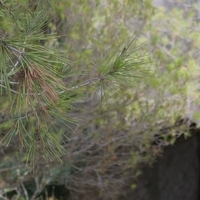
(198, 155)
(175, 175)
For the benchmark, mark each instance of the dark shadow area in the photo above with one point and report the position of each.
(175, 175)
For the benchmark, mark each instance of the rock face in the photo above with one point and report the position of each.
(178, 171)
(175, 175)
(170, 4)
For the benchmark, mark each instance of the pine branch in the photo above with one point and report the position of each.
(7, 8)
(125, 64)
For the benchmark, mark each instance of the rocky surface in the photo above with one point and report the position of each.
(170, 4)
(174, 176)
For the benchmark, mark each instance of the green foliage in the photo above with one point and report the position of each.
(56, 55)
(30, 76)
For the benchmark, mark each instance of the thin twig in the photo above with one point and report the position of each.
(10, 89)
(18, 194)
(18, 92)
(10, 169)
(18, 53)
(39, 188)
(167, 52)
(86, 83)
(19, 58)
(14, 50)
(25, 191)
(10, 82)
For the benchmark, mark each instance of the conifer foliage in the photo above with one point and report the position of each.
(32, 74)
(30, 79)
